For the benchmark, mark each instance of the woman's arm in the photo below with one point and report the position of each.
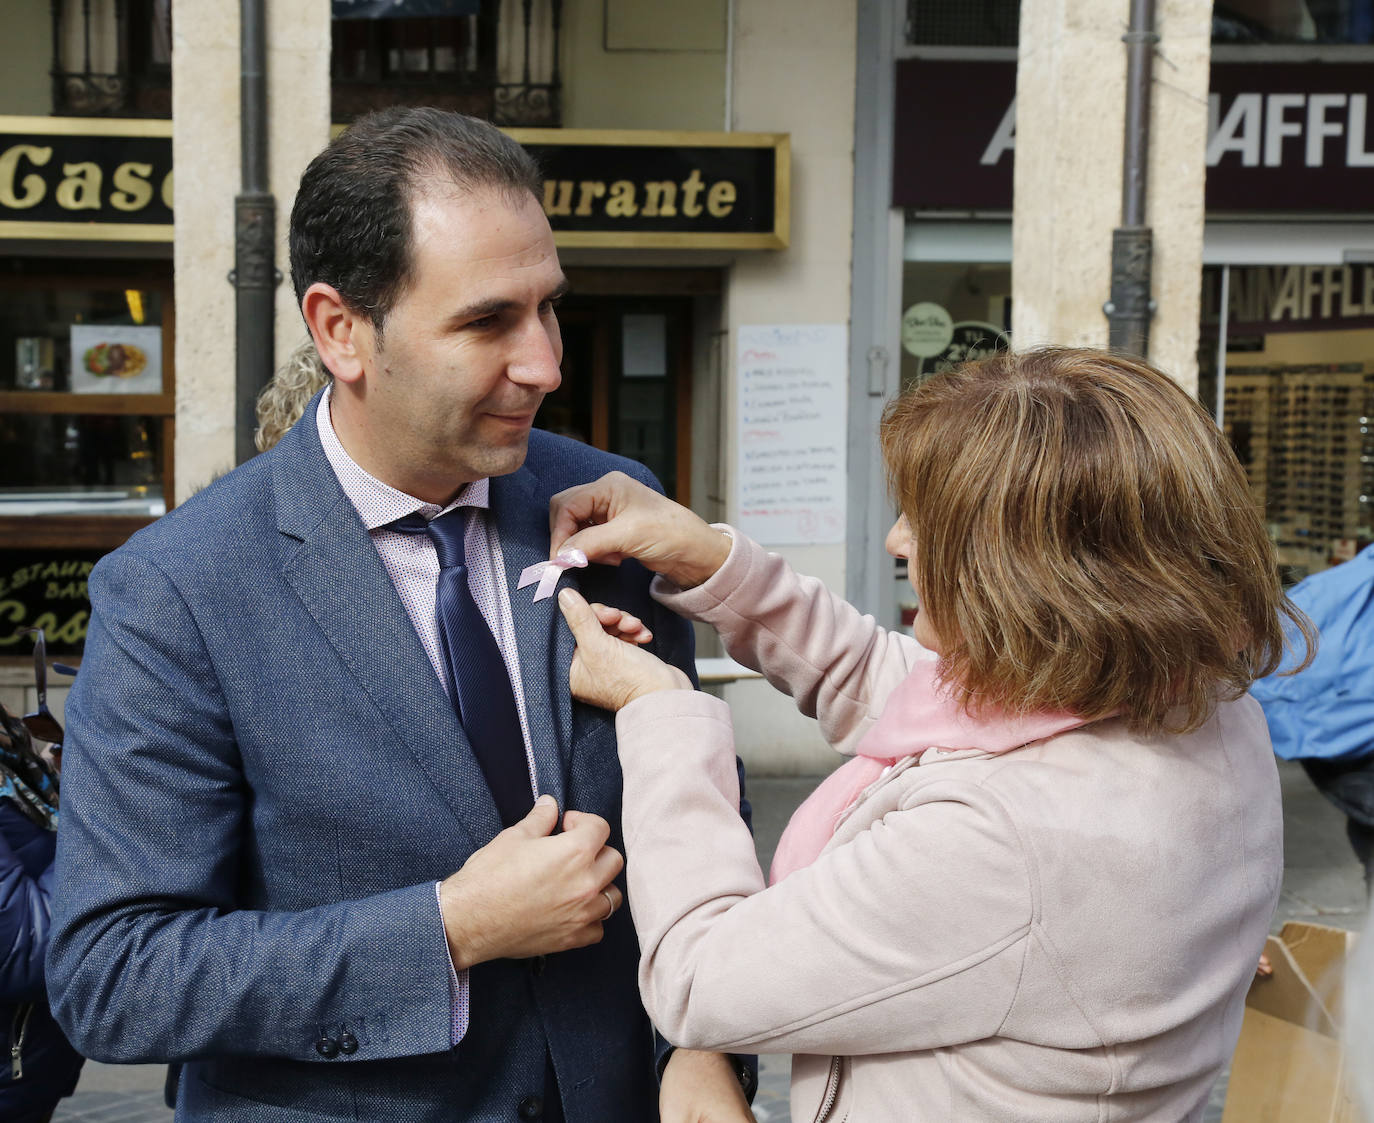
(837, 663)
(910, 936)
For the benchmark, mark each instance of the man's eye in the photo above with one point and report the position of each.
(549, 305)
(483, 322)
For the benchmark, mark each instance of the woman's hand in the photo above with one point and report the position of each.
(609, 669)
(617, 518)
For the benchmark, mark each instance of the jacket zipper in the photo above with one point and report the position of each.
(18, 1029)
(832, 1091)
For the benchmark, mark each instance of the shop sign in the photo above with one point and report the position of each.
(68, 177)
(665, 190)
(1282, 137)
(45, 589)
(1263, 299)
(931, 335)
(75, 178)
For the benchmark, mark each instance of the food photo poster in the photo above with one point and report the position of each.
(116, 359)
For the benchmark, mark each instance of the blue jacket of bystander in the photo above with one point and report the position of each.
(1326, 711)
(37, 1066)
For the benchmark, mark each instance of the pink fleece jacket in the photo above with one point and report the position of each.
(1062, 933)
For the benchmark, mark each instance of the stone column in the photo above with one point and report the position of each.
(793, 71)
(205, 155)
(1070, 107)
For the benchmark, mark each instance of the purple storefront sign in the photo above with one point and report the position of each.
(1282, 137)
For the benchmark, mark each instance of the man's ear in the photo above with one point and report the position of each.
(344, 339)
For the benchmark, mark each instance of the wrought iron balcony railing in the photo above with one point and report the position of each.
(497, 59)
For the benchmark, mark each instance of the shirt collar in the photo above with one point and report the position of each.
(379, 503)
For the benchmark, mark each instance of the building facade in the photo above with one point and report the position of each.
(997, 180)
(700, 169)
(774, 215)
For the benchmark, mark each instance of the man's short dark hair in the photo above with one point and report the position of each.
(351, 222)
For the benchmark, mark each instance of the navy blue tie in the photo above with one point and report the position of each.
(479, 685)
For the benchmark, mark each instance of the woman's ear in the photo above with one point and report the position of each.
(344, 339)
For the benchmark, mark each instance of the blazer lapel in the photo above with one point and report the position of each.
(521, 513)
(341, 580)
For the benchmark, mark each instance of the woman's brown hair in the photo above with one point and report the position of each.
(1084, 540)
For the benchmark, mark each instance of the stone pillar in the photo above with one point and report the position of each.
(298, 33)
(1070, 107)
(1177, 181)
(793, 71)
(205, 155)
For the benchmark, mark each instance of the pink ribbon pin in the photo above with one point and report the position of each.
(547, 573)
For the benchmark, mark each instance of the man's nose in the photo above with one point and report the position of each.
(536, 362)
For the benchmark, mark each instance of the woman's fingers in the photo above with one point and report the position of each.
(578, 613)
(621, 624)
(606, 671)
(590, 505)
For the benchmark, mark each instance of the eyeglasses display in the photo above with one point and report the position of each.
(1303, 434)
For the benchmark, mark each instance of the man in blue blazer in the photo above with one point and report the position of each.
(281, 860)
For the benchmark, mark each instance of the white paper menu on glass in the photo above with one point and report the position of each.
(790, 464)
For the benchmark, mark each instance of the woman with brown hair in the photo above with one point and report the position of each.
(1038, 889)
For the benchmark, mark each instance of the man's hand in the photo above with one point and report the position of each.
(531, 892)
(701, 1088)
(618, 517)
(608, 668)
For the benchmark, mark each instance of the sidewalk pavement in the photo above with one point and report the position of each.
(1322, 882)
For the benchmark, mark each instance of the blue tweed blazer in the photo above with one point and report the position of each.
(263, 780)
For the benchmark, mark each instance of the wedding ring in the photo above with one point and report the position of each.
(610, 906)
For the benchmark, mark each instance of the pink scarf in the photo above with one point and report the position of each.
(919, 716)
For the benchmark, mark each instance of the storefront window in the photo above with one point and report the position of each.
(957, 23)
(1291, 375)
(952, 312)
(86, 396)
(627, 382)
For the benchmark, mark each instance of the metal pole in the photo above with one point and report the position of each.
(255, 275)
(1223, 329)
(1130, 308)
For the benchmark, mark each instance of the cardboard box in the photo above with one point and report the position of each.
(1289, 1066)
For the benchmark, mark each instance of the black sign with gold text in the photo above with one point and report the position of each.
(45, 589)
(704, 190)
(75, 178)
(85, 179)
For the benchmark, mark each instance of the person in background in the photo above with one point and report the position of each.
(1323, 715)
(1038, 890)
(284, 399)
(37, 1065)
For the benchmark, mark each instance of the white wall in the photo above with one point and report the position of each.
(25, 85)
(642, 64)
(793, 71)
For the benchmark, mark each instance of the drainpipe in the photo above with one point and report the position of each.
(255, 275)
(1130, 308)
